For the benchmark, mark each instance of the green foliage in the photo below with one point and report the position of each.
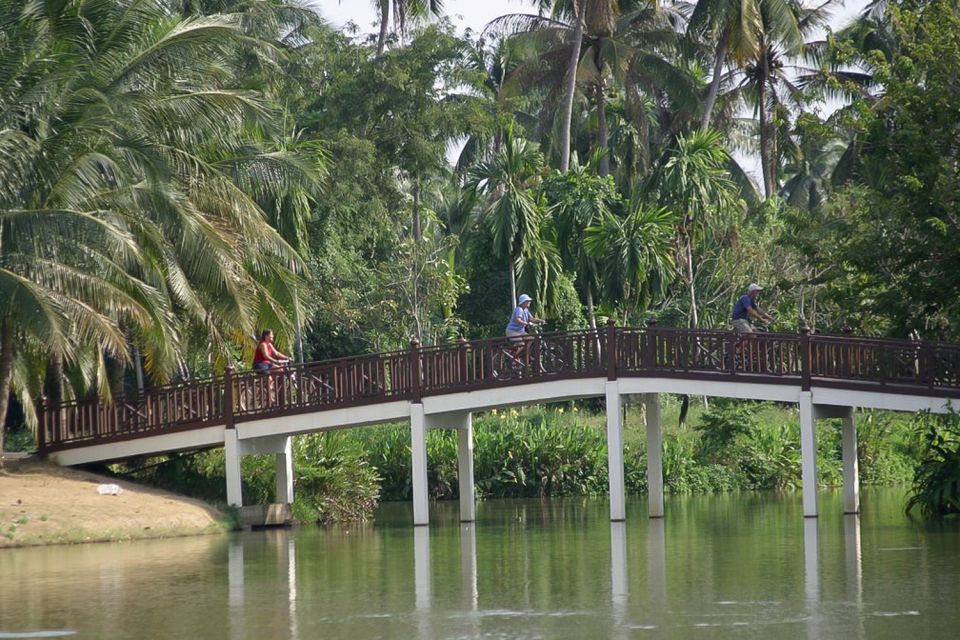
(935, 490)
(333, 480)
(722, 424)
(886, 243)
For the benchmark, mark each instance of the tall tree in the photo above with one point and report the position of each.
(511, 214)
(692, 181)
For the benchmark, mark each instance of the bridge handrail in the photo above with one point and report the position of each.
(840, 361)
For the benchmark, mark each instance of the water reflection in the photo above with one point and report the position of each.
(714, 569)
(853, 562)
(619, 587)
(235, 593)
(468, 564)
(657, 571)
(811, 574)
(421, 578)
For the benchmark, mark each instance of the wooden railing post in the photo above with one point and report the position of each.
(462, 359)
(611, 349)
(228, 381)
(416, 383)
(805, 359)
(650, 352)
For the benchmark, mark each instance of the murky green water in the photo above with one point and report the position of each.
(741, 566)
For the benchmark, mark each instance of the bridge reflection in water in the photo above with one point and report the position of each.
(649, 608)
(440, 387)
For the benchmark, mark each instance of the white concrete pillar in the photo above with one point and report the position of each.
(808, 453)
(615, 451)
(654, 456)
(851, 467)
(231, 452)
(418, 454)
(468, 500)
(284, 467)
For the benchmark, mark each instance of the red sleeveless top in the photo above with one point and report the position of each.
(258, 356)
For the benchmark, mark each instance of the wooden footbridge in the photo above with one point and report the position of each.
(441, 386)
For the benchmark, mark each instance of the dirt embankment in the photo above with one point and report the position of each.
(41, 503)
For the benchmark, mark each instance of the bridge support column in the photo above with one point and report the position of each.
(851, 470)
(285, 472)
(418, 454)
(231, 451)
(654, 456)
(615, 451)
(468, 500)
(808, 453)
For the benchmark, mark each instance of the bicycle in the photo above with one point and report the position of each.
(754, 355)
(531, 354)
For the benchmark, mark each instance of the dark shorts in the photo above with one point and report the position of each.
(262, 367)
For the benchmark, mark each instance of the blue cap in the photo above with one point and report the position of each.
(523, 298)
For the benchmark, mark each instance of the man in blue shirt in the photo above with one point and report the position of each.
(746, 309)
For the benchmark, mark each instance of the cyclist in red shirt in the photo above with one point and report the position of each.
(267, 357)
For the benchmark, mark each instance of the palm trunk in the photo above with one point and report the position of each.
(602, 134)
(570, 88)
(591, 312)
(714, 82)
(766, 140)
(138, 367)
(513, 286)
(6, 376)
(592, 318)
(694, 318)
(384, 23)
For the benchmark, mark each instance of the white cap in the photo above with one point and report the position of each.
(524, 298)
(754, 287)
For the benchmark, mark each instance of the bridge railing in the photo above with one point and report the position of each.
(183, 405)
(501, 361)
(321, 385)
(851, 361)
(902, 366)
(674, 352)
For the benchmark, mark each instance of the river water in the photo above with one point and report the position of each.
(727, 566)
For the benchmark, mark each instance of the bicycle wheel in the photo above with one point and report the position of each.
(551, 358)
(505, 366)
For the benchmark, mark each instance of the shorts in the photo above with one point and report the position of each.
(742, 325)
(516, 336)
(262, 367)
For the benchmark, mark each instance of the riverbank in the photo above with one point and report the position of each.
(42, 504)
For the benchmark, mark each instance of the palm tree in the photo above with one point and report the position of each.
(512, 215)
(634, 255)
(735, 29)
(624, 44)
(403, 11)
(580, 200)
(131, 180)
(693, 182)
(769, 79)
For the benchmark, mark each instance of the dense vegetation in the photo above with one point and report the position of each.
(176, 174)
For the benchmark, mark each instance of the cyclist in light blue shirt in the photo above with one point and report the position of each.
(521, 318)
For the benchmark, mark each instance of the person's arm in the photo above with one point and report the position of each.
(275, 356)
(755, 312)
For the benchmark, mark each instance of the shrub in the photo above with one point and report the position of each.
(936, 477)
